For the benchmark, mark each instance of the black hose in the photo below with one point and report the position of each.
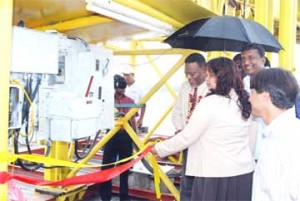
(26, 165)
(82, 152)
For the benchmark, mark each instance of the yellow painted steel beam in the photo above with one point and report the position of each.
(264, 15)
(123, 122)
(76, 23)
(161, 119)
(217, 6)
(6, 13)
(112, 47)
(153, 51)
(132, 112)
(157, 86)
(159, 73)
(97, 147)
(59, 150)
(169, 184)
(132, 58)
(287, 33)
(144, 8)
(261, 12)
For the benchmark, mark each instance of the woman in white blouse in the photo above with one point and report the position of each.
(217, 137)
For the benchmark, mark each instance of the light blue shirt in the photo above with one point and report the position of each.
(259, 137)
(261, 124)
(277, 174)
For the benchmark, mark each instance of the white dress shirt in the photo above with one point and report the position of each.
(181, 106)
(277, 175)
(217, 139)
(246, 81)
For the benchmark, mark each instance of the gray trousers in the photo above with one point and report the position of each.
(186, 182)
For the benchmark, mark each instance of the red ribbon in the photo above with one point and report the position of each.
(96, 177)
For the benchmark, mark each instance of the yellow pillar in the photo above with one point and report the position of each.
(260, 12)
(217, 6)
(6, 12)
(59, 150)
(264, 15)
(287, 33)
(132, 58)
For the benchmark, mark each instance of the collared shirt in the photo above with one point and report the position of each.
(123, 100)
(217, 138)
(181, 108)
(246, 81)
(277, 174)
(259, 121)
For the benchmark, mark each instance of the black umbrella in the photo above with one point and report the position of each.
(223, 33)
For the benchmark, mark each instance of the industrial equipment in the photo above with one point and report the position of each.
(61, 89)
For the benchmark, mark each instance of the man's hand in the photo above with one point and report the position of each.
(153, 151)
(139, 122)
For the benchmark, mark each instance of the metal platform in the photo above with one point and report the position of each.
(141, 185)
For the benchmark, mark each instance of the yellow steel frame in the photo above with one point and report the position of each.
(287, 33)
(6, 13)
(134, 4)
(76, 24)
(263, 14)
(123, 121)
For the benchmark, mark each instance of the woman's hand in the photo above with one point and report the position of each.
(153, 151)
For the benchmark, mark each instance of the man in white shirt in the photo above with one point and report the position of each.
(191, 92)
(253, 61)
(277, 175)
(135, 92)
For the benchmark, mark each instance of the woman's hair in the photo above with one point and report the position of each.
(228, 78)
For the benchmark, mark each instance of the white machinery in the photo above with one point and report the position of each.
(62, 88)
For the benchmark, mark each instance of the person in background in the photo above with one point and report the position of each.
(253, 61)
(119, 146)
(267, 63)
(238, 62)
(277, 176)
(135, 92)
(190, 93)
(217, 138)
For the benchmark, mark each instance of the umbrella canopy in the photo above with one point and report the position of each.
(223, 33)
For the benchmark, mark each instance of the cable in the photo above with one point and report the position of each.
(82, 152)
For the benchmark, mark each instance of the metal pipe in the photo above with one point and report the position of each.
(97, 147)
(162, 175)
(159, 73)
(149, 134)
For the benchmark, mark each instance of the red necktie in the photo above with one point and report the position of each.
(194, 100)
